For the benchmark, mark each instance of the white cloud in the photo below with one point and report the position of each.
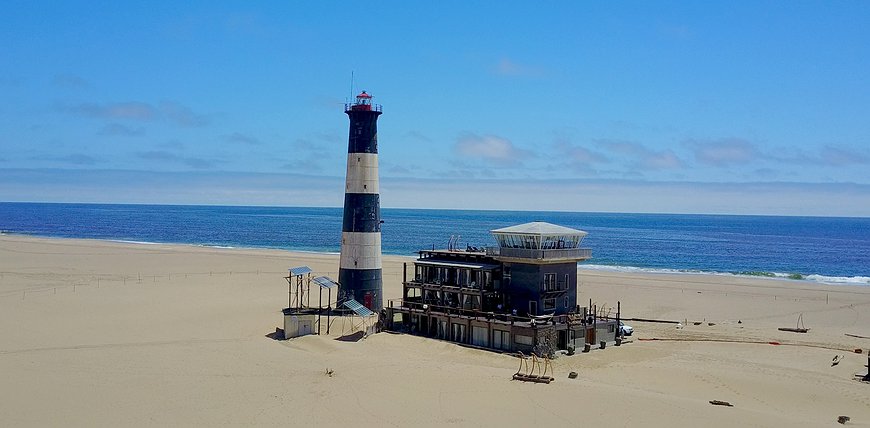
(182, 115)
(661, 160)
(491, 148)
(723, 152)
(840, 156)
(232, 188)
(139, 111)
(581, 154)
(641, 156)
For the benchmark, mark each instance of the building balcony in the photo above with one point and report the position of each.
(537, 254)
(449, 285)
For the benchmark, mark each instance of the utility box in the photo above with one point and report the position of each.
(298, 323)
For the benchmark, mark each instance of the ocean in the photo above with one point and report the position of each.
(820, 249)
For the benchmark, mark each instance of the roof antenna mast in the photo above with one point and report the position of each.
(351, 86)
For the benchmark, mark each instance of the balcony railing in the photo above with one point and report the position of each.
(526, 253)
(419, 281)
(412, 305)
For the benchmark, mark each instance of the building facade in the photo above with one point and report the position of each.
(518, 296)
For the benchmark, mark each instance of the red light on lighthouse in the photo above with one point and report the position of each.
(363, 103)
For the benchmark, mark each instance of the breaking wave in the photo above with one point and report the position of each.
(821, 279)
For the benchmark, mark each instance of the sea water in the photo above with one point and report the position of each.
(822, 249)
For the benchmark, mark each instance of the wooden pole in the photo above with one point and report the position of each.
(319, 311)
(595, 323)
(618, 308)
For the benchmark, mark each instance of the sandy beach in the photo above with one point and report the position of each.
(96, 333)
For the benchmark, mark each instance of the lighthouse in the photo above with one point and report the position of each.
(360, 267)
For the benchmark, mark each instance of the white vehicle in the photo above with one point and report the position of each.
(625, 329)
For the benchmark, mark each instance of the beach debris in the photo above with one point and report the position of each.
(739, 322)
(711, 324)
(858, 351)
(531, 365)
(799, 327)
(329, 372)
(697, 323)
(843, 419)
(855, 335)
(721, 403)
(679, 326)
(836, 360)
(572, 375)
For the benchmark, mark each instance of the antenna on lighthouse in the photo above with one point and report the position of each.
(351, 85)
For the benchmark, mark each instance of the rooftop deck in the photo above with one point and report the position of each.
(540, 254)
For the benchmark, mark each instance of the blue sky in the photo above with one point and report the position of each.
(734, 107)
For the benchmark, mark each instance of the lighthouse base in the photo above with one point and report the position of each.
(364, 286)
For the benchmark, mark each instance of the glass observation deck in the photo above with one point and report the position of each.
(539, 241)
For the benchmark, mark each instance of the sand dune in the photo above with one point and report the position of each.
(112, 334)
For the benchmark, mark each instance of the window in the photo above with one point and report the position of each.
(549, 282)
(458, 333)
(567, 302)
(506, 272)
(523, 340)
(549, 304)
(501, 339)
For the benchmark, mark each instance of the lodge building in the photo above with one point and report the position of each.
(518, 296)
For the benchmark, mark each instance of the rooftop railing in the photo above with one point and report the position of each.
(536, 254)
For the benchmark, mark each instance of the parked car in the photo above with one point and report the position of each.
(625, 329)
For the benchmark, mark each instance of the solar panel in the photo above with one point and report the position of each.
(324, 282)
(358, 308)
(301, 270)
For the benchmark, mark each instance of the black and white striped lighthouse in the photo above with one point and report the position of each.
(360, 271)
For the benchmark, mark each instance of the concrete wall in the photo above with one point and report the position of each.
(296, 325)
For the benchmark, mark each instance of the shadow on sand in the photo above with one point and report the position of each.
(353, 337)
(278, 334)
